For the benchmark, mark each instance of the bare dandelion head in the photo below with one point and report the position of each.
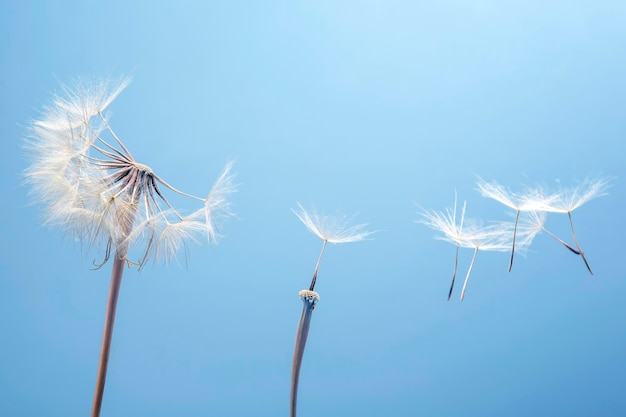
(94, 188)
(310, 296)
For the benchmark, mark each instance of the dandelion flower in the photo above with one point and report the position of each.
(566, 200)
(329, 229)
(92, 186)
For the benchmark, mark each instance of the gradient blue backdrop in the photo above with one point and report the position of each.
(368, 107)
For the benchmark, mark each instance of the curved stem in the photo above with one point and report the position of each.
(514, 236)
(569, 214)
(109, 321)
(298, 352)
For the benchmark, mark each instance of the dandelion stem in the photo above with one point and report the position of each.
(109, 320)
(514, 237)
(571, 223)
(469, 271)
(456, 263)
(317, 266)
(309, 299)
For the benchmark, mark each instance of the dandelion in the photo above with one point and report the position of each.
(530, 200)
(329, 229)
(566, 200)
(466, 233)
(93, 187)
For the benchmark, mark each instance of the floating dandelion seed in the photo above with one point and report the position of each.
(92, 186)
(447, 223)
(470, 234)
(533, 223)
(566, 200)
(329, 229)
(528, 201)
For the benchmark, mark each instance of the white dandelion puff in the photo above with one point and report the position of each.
(91, 185)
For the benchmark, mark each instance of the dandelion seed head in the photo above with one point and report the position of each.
(91, 185)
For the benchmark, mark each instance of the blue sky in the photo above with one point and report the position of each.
(364, 107)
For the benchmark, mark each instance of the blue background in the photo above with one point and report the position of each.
(366, 107)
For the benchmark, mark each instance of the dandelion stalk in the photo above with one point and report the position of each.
(109, 321)
(329, 229)
(310, 299)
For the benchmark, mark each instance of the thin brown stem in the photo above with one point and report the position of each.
(317, 266)
(109, 321)
(469, 271)
(571, 223)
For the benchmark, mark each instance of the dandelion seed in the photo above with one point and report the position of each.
(93, 187)
(566, 200)
(447, 223)
(471, 234)
(533, 223)
(530, 200)
(329, 229)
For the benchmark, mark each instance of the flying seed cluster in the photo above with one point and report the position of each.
(531, 208)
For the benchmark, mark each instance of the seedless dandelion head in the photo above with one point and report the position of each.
(333, 229)
(310, 296)
(93, 187)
